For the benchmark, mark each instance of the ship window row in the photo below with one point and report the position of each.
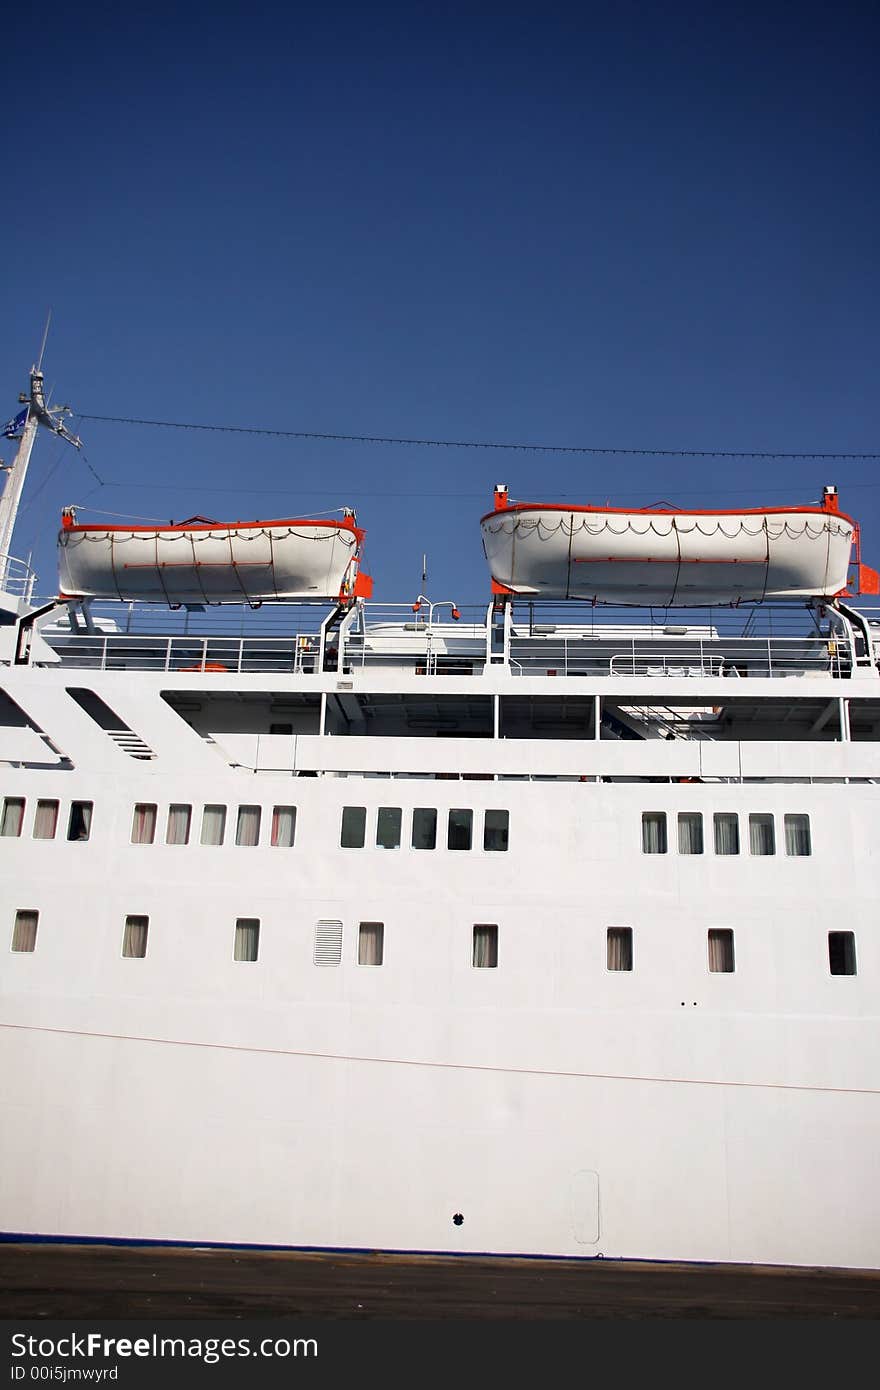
(619, 951)
(423, 828)
(46, 818)
(726, 837)
(245, 824)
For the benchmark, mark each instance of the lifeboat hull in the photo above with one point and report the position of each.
(686, 559)
(247, 562)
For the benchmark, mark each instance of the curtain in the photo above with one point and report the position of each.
(797, 835)
(371, 943)
(283, 826)
(134, 941)
(495, 830)
(13, 815)
(620, 948)
(143, 826)
(388, 827)
(485, 946)
(690, 832)
(762, 839)
(424, 828)
(726, 832)
(177, 832)
(213, 825)
(247, 831)
(721, 950)
(654, 832)
(80, 827)
(247, 938)
(46, 820)
(24, 933)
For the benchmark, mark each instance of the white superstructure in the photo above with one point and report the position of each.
(540, 932)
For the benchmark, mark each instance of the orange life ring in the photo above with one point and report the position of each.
(205, 666)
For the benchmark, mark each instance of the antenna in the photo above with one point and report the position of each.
(39, 365)
(424, 568)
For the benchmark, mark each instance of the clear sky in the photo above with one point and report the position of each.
(645, 225)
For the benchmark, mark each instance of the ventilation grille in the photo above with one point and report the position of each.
(328, 943)
(131, 743)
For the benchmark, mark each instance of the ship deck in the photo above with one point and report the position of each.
(74, 1281)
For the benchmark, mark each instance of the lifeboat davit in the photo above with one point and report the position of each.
(201, 561)
(667, 557)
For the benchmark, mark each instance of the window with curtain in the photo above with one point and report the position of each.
(721, 950)
(283, 826)
(797, 835)
(24, 932)
(134, 938)
(762, 836)
(654, 832)
(247, 938)
(371, 943)
(690, 832)
(354, 827)
(247, 829)
(79, 827)
(46, 820)
(143, 825)
(177, 829)
(424, 828)
(726, 832)
(619, 948)
(213, 825)
(388, 827)
(460, 829)
(328, 942)
(495, 830)
(13, 815)
(485, 954)
(842, 952)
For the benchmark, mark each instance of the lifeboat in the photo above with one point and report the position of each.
(200, 561)
(666, 557)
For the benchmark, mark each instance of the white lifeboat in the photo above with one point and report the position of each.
(203, 562)
(666, 557)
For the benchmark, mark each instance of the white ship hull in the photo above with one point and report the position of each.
(665, 558)
(256, 562)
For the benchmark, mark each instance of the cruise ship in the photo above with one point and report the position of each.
(545, 926)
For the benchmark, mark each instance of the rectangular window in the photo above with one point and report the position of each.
(143, 825)
(79, 827)
(177, 828)
(354, 827)
(371, 943)
(134, 939)
(247, 938)
(283, 826)
(247, 829)
(460, 830)
(726, 832)
(797, 835)
(762, 835)
(424, 828)
(495, 830)
(619, 948)
(485, 955)
(46, 820)
(654, 832)
(690, 832)
(24, 933)
(388, 827)
(721, 950)
(842, 952)
(213, 825)
(328, 943)
(13, 815)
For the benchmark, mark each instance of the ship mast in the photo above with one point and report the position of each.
(37, 413)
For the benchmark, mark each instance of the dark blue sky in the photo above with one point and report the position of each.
(644, 225)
